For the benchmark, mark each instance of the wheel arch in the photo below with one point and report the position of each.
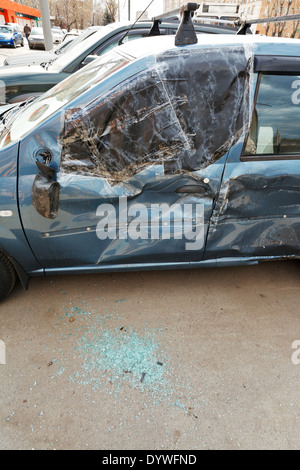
(15, 247)
(22, 275)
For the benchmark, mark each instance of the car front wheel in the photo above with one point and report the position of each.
(7, 276)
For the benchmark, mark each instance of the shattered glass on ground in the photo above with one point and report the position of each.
(115, 358)
(119, 357)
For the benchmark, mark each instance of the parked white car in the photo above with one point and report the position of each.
(49, 56)
(37, 40)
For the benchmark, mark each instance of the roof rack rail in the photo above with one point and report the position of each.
(186, 32)
(208, 19)
(244, 26)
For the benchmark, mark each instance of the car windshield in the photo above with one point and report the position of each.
(5, 29)
(59, 96)
(62, 62)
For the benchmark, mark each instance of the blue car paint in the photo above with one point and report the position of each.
(65, 241)
(70, 240)
(258, 206)
(8, 39)
(236, 231)
(12, 236)
(257, 210)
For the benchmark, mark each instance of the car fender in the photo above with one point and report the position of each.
(13, 241)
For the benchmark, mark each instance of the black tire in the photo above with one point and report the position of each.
(7, 276)
(22, 43)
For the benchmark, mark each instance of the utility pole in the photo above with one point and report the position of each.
(129, 10)
(93, 13)
(45, 13)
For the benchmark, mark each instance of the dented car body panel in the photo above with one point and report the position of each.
(186, 150)
(257, 210)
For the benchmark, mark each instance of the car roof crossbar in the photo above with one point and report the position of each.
(244, 26)
(186, 32)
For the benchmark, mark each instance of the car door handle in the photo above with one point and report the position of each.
(192, 189)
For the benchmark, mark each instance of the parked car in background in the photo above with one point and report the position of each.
(58, 28)
(68, 36)
(36, 39)
(24, 82)
(57, 35)
(156, 156)
(10, 35)
(50, 56)
(16, 25)
(76, 31)
(65, 41)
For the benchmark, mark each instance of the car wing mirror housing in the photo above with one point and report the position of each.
(45, 195)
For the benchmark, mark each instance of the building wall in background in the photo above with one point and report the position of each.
(13, 12)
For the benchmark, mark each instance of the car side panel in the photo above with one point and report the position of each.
(12, 237)
(257, 213)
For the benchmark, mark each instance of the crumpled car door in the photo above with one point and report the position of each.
(156, 144)
(257, 214)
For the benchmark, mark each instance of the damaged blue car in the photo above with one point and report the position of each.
(157, 155)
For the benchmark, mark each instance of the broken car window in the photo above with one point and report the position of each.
(184, 112)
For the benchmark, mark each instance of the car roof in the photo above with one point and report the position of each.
(262, 45)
